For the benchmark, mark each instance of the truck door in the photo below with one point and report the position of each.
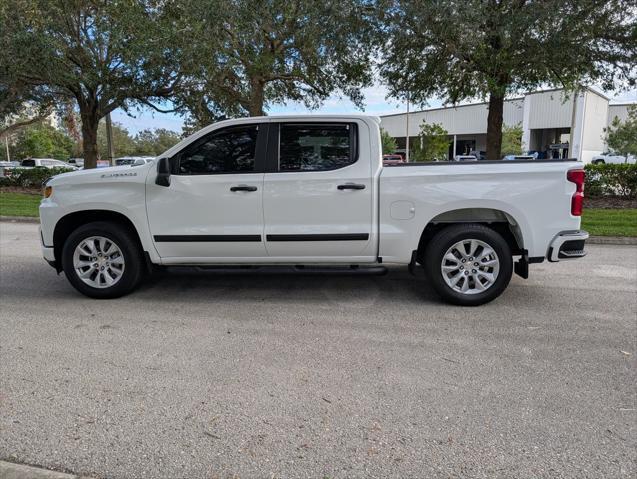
(317, 196)
(213, 208)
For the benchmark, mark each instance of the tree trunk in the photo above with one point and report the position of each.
(255, 107)
(90, 121)
(494, 126)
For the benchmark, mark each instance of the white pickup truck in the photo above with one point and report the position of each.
(311, 191)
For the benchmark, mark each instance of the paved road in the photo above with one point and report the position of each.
(203, 375)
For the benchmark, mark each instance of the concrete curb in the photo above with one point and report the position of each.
(615, 240)
(19, 219)
(9, 470)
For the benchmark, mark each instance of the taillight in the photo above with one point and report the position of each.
(577, 201)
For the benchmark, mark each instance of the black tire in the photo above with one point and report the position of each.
(599, 162)
(444, 240)
(124, 240)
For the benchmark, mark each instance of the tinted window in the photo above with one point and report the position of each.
(28, 163)
(315, 147)
(230, 150)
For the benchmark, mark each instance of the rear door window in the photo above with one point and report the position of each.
(316, 147)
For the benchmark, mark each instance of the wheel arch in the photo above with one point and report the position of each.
(70, 222)
(499, 221)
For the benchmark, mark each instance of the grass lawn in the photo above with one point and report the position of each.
(19, 204)
(597, 221)
(603, 222)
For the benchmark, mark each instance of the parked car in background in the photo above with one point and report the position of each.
(315, 195)
(46, 163)
(79, 162)
(609, 158)
(7, 166)
(390, 160)
(480, 155)
(133, 160)
(519, 157)
(464, 158)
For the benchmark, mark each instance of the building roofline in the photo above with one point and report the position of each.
(517, 98)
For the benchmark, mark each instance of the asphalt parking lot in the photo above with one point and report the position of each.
(203, 375)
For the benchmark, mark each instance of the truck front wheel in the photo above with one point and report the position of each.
(468, 264)
(102, 260)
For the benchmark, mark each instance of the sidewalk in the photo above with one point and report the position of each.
(9, 470)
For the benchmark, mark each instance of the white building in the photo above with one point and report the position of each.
(553, 124)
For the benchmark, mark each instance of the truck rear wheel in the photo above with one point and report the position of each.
(468, 264)
(102, 260)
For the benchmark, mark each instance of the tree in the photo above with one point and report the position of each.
(155, 142)
(21, 104)
(103, 54)
(388, 142)
(511, 140)
(432, 143)
(252, 54)
(144, 143)
(42, 141)
(462, 49)
(621, 136)
(123, 143)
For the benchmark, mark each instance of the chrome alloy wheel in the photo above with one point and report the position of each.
(98, 262)
(470, 266)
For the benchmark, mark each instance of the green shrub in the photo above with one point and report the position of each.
(611, 180)
(31, 178)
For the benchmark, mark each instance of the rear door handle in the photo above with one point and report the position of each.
(351, 186)
(243, 188)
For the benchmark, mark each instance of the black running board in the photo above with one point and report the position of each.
(347, 270)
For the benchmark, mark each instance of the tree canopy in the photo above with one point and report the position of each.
(432, 144)
(388, 142)
(463, 49)
(102, 54)
(512, 140)
(42, 141)
(145, 143)
(249, 54)
(621, 136)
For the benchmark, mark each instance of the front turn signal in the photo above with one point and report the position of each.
(47, 191)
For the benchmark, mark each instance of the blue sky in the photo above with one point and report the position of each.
(375, 104)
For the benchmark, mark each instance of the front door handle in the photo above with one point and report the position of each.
(243, 188)
(351, 186)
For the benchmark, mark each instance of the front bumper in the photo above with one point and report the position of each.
(48, 252)
(568, 245)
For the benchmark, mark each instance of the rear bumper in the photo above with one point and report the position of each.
(568, 245)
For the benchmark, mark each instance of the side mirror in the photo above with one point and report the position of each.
(163, 172)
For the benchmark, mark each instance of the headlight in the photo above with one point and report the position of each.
(47, 191)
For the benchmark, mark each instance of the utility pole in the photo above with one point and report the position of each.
(407, 127)
(6, 143)
(109, 140)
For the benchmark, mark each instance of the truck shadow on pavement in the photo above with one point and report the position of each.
(254, 285)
